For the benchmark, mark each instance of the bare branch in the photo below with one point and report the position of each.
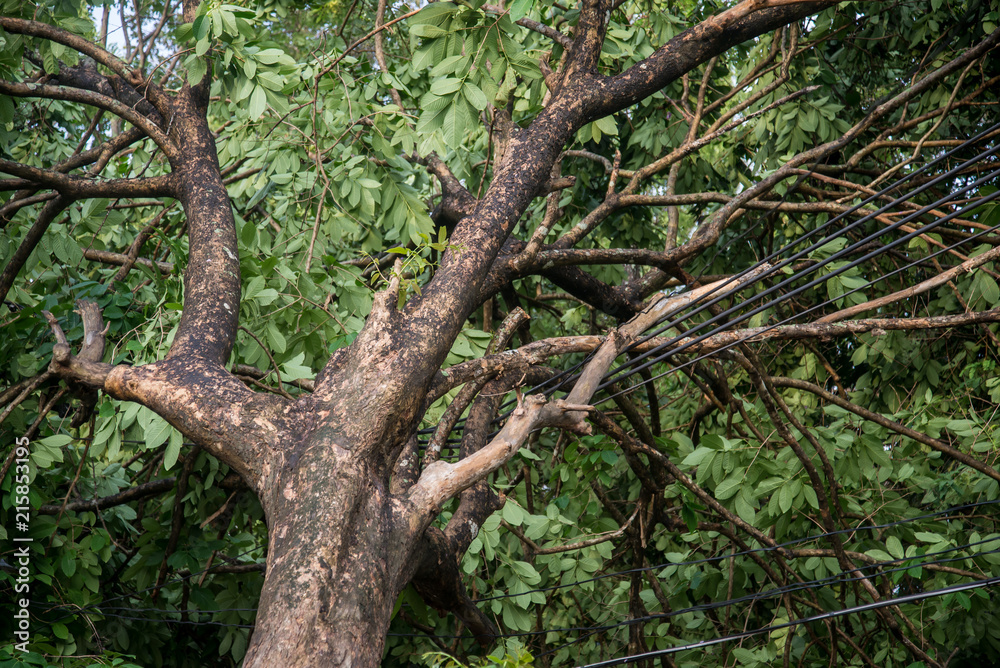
(692, 47)
(913, 290)
(709, 232)
(75, 42)
(514, 320)
(142, 491)
(94, 99)
(78, 187)
(440, 481)
(563, 40)
(568, 547)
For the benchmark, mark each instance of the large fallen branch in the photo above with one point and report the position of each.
(537, 352)
(441, 481)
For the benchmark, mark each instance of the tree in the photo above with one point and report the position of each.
(709, 196)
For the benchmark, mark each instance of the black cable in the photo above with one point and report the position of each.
(816, 281)
(670, 352)
(667, 352)
(759, 596)
(907, 563)
(143, 591)
(952, 173)
(694, 562)
(797, 586)
(898, 600)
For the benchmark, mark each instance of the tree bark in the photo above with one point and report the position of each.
(338, 558)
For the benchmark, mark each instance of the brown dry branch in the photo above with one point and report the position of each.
(145, 490)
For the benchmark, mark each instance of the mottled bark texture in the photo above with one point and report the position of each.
(345, 535)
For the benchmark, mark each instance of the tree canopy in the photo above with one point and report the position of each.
(670, 328)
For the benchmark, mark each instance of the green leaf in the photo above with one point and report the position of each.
(525, 571)
(258, 103)
(271, 56)
(745, 510)
(196, 69)
(607, 125)
(785, 498)
(728, 487)
(445, 86)
(173, 450)
(428, 31)
(475, 95)
(928, 537)
(894, 547)
(990, 289)
(156, 432)
(512, 514)
(56, 441)
(68, 563)
(455, 124)
(696, 457)
(520, 8)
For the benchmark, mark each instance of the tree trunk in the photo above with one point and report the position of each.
(336, 563)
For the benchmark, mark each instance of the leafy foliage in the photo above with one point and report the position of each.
(328, 180)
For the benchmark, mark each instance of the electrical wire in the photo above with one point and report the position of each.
(898, 600)
(76, 610)
(566, 377)
(952, 173)
(907, 564)
(748, 598)
(766, 549)
(814, 282)
(669, 352)
(689, 340)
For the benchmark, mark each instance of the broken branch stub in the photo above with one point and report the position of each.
(85, 367)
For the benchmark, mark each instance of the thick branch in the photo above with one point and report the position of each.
(441, 480)
(78, 187)
(93, 99)
(537, 352)
(821, 330)
(709, 232)
(199, 398)
(75, 42)
(16, 262)
(693, 47)
(212, 279)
